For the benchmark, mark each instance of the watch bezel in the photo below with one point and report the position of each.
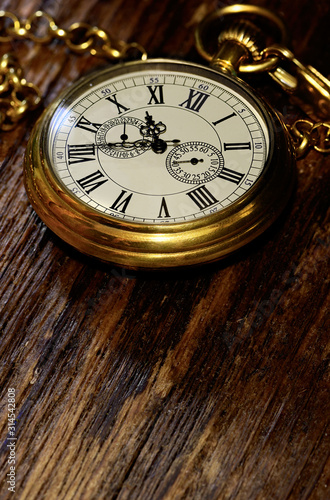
(156, 246)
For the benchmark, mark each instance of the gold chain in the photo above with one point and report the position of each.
(241, 50)
(17, 96)
(307, 134)
(311, 89)
(306, 84)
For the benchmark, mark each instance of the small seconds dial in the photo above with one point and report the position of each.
(158, 146)
(194, 162)
(159, 163)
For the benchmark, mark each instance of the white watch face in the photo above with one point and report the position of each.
(161, 144)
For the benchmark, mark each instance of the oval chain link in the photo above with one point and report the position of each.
(242, 49)
(308, 134)
(305, 133)
(17, 96)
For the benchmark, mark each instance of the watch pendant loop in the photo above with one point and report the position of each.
(234, 40)
(220, 23)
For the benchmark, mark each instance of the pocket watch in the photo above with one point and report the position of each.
(161, 163)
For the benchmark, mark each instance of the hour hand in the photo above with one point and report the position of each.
(153, 130)
(124, 136)
(159, 145)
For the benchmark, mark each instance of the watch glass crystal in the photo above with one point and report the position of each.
(158, 144)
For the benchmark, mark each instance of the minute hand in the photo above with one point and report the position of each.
(142, 143)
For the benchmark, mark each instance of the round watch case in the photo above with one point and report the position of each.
(141, 245)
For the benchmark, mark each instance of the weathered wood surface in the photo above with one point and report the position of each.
(210, 383)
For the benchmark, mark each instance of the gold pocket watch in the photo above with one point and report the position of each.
(162, 163)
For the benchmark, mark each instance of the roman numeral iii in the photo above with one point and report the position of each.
(231, 175)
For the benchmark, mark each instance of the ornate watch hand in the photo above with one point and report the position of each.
(149, 130)
(158, 146)
(153, 130)
(140, 143)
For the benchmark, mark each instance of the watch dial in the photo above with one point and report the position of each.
(158, 143)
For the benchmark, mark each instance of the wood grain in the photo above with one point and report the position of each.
(211, 383)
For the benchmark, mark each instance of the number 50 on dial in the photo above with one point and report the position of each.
(159, 164)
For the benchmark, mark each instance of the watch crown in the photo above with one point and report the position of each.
(240, 43)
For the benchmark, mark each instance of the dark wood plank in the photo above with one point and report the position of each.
(210, 383)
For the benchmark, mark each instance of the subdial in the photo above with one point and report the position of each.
(194, 162)
(121, 138)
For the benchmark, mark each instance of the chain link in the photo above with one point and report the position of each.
(241, 49)
(308, 134)
(17, 96)
(305, 83)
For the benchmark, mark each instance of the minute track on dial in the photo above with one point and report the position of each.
(127, 201)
